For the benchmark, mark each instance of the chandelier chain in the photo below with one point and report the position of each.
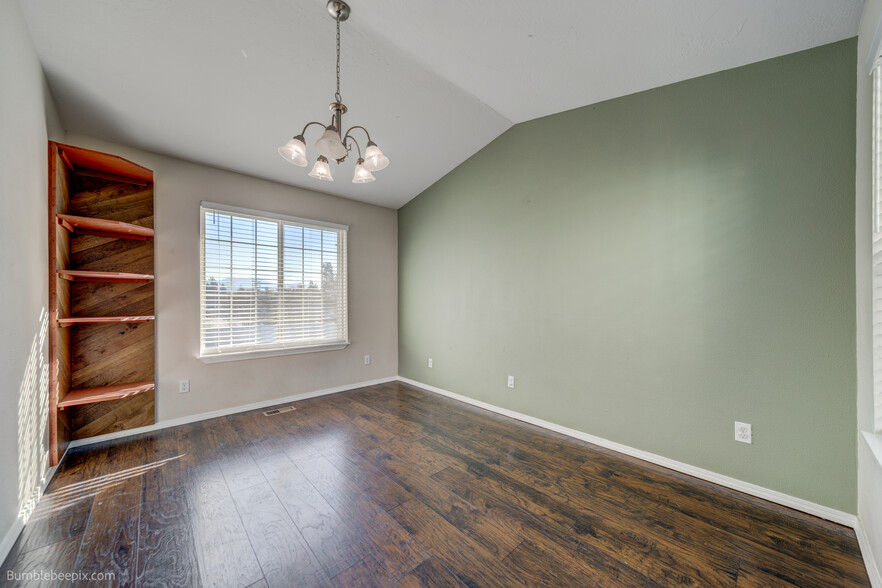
(337, 95)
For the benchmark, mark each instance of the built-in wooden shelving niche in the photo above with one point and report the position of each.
(101, 330)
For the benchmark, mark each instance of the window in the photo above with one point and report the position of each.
(270, 284)
(877, 244)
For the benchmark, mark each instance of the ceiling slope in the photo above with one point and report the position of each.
(226, 83)
(528, 59)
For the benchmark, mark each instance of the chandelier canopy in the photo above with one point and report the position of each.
(333, 145)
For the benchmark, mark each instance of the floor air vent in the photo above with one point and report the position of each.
(275, 411)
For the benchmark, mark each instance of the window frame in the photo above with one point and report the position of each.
(237, 354)
(876, 237)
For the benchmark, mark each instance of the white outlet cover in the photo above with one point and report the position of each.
(511, 381)
(743, 432)
(183, 386)
(367, 360)
(430, 362)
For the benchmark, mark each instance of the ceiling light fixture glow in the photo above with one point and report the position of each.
(362, 174)
(333, 145)
(294, 151)
(321, 170)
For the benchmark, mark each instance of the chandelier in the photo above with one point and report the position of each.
(333, 145)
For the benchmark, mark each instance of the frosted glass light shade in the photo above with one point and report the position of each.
(330, 144)
(294, 151)
(374, 160)
(362, 174)
(321, 170)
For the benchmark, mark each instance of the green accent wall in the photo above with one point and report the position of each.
(655, 267)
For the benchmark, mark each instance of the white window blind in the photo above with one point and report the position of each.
(877, 244)
(270, 284)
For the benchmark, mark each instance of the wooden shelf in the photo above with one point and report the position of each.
(103, 165)
(101, 227)
(100, 320)
(93, 193)
(104, 393)
(89, 276)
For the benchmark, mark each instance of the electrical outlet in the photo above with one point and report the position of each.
(183, 386)
(430, 362)
(367, 360)
(743, 432)
(511, 381)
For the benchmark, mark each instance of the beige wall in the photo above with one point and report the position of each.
(869, 466)
(373, 288)
(27, 119)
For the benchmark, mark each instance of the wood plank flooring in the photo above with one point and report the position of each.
(392, 486)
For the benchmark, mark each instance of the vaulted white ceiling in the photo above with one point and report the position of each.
(225, 82)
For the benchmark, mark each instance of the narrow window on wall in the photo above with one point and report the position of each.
(877, 244)
(270, 284)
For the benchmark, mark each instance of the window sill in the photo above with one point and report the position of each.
(224, 357)
(874, 442)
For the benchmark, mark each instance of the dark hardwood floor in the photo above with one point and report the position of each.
(393, 486)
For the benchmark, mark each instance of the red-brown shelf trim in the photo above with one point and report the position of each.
(103, 165)
(104, 393)
(90, 276)
(103, 227)
(99, 320)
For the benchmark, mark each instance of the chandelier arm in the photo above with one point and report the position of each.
(303, 132)
(348, 133)
(351, 138)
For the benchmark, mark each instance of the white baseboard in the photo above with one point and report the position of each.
(818, 510)
(10, 537)
(204, 416)
(867, 553)
(18, 526)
